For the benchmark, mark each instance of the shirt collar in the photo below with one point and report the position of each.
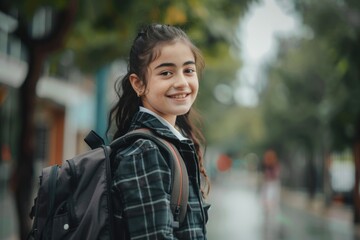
(166, 123)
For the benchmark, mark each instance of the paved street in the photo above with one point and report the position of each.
(7, 210)
(237, 214)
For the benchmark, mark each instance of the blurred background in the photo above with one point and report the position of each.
(280, 100)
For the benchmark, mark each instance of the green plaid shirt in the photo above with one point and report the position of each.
(142, 182)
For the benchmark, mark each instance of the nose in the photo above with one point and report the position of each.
(181, 81)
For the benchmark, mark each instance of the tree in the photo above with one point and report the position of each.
(338, 24)
(319, 81)
(38, 49)
(296, 103)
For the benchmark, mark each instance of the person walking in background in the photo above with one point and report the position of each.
(157, 93)
(270, 190)
(270, 195)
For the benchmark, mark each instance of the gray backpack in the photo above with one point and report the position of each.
(74, 200)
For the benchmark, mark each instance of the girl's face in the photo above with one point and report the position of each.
(172, 82)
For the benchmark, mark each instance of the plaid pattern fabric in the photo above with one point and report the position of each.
(142, 181)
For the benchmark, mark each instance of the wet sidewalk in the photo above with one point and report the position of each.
(335, 211)
(237, 213)
(8, 223)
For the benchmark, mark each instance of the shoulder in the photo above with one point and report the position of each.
(138, 146)
(141, 162)
(139, 154)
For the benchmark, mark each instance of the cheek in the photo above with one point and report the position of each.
(195, 85)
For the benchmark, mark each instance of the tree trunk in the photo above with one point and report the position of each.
(311, 177)
(326, 178)
(22, 175)
(22, 178)
(356, 187)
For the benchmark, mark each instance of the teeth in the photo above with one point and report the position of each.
(179, 96)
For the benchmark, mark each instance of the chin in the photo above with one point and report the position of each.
(182, 112)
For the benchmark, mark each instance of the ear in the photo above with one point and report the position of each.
(137, 84)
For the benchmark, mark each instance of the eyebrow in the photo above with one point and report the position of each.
(174, 65)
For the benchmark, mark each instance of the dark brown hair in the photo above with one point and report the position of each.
(145, 49)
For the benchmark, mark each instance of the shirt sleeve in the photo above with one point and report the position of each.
(143, 178)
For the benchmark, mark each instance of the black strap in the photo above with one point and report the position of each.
(94, 140)
(52, 188)
(53, 173)
(109, 184)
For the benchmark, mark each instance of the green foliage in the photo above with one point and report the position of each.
(236, 129)
(337, 24)
(312, 93)
(293, 101)
(105, 29)
(27, 9)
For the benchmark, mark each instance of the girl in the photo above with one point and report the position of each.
(157, 93)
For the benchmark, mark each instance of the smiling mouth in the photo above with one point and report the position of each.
(179, 96)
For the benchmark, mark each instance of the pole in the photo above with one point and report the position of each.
(101, 101)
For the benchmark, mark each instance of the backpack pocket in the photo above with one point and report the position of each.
(63, 221)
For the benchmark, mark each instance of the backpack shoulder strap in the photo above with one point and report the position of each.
(180, 179)
(180, 185)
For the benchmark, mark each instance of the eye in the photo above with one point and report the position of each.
(190, 70)
(166, 73)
